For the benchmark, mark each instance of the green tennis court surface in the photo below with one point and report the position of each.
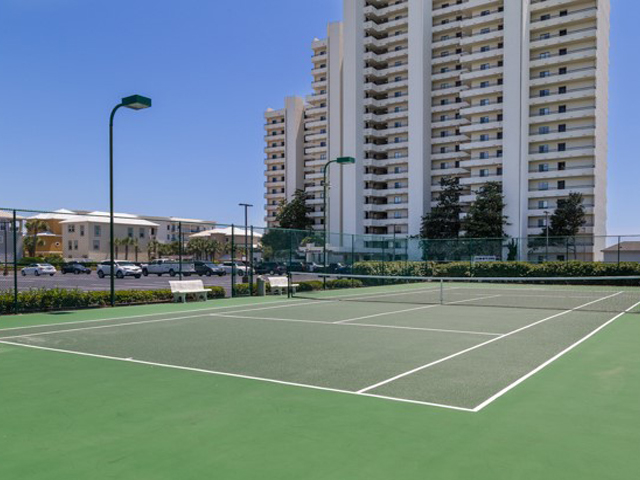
(300, 388)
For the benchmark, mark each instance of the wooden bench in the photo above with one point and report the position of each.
(280, 285)
(181, 289)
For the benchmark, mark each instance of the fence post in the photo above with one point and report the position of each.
(16, 308)
(619, 247)
(233, 264)
(251, 265)
(180, 239)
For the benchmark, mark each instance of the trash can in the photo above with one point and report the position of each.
(261, 287)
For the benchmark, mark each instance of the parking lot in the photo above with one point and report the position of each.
(91, 282)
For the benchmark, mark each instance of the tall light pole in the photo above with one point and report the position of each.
(246, 206)
(134, 102)
(325, 170)
(546, 227)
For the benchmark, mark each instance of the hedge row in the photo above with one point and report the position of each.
(46, 300)
(498, 269)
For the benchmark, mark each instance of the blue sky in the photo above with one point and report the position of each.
(211, 68)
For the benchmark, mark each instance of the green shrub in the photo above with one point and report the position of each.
(344, 283)
(46, 300)
(497, 269)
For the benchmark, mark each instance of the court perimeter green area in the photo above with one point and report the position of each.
(281, 388)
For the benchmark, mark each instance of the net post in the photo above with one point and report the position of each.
(180, 239)
(233, 265)
(289, 284)
(441, 291)
(16, 306)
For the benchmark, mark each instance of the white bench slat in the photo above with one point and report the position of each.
(180, 289)
(281, 284)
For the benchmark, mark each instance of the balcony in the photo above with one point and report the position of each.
(449, 139)
(492, 89)
(448, 172)
(581, 54)
(276, 149)
(561, 193)
(557, 116)
(448, 107)
(571, 152)
(572, 94)
(482, 73)
(481, 162)
(494, 53)
(481, 127)
(454, 122)
(482, 37)
(478, 109)
(491, 143)
(479, 20)
(569, 172)
(575, 36)
(449, 156)
(571, 133)
(479, 180)
(575, 16)
(571, 75)
(448, 91)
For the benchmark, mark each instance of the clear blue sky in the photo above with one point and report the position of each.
(211, 68)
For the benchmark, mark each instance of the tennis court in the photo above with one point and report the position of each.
(459, 346)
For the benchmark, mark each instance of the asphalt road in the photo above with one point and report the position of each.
(93, 283)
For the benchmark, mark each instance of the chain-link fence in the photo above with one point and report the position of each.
(62, 259)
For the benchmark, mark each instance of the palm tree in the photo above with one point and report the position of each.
(127, 242)
(197, 247)
(215, 248)
(32, 242)
(117, 242)
(136, 247)
(153, 248)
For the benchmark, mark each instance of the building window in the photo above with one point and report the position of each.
(97, 230)
(71, 228)
(141, 233)
(96, 245)
(82, 230)
(543, 186)
(75, 245)
(543, 167)
(130, 232)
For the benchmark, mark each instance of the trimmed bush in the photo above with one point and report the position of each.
(46, 300)
(498, 269)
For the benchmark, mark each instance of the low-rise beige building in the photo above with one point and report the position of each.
(86, 237)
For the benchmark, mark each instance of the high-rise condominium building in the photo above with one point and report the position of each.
(514, 91)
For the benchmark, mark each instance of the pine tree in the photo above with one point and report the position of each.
(443, 222)
(295, 214)
(568, 218)
(485, 218)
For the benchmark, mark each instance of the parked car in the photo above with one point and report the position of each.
(38, 269)
(76, 268)
(338, 268)
(236, 268)
(270, 268)
(123, 269)
(170, 267)
(208, 269)
(312, 267)
(297, 267)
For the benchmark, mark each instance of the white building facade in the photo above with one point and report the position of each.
(514, 91)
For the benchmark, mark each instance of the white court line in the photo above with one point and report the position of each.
(234, 375)
(433, 305)
(551, 360)
(467, 350)
(133, 324)
(369, 325)
(136, 316)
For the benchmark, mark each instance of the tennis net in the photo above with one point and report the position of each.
(596, 294)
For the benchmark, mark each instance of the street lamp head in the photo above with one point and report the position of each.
(345, 160)
(136, 102)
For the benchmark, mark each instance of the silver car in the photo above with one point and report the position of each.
(38, 269)
(123, 269)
